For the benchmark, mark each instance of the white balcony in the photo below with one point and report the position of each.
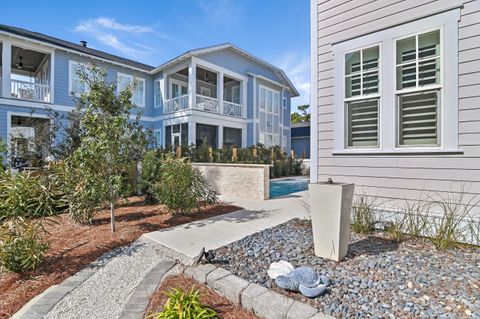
(24, 90)
(233, 109)
(176, 104)
(205, 103)
(198, 88)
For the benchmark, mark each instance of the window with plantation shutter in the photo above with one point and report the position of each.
(418, 85)
(362, 97)
(362, 122)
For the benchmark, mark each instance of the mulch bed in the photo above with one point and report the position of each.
(208, 297)
(75, 246)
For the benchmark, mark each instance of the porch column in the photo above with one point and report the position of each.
(6, 69)
(220, 136)
(220, 93)
(192, 131)
(192, 83)
(243, 99)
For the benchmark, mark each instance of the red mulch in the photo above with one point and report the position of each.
(74, 246)
(208, 297)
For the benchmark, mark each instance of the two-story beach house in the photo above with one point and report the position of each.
(220, 93)
(396, 96)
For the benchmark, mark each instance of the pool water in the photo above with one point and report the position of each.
(286, 186)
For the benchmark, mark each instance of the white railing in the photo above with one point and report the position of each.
(206, 103)
(232, 109)
(176, 104)
(30, 91)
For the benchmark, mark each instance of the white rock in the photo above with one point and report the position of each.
(282, 268)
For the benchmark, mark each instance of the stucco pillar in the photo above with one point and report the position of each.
(331, 209)
(6, 68)
(220, 136)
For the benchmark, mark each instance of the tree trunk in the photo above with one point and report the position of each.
(112, 217)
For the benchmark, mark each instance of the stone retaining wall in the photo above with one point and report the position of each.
(239, 180)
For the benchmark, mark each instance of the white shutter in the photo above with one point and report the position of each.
(418, 118)
(362, 121)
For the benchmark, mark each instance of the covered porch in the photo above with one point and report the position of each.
(205, 87)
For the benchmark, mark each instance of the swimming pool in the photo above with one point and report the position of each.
(284, 186)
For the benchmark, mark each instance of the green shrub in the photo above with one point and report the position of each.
(82, 192)
(182, 305)
(182, 187)
(150, 174)
(3, 150)
(21, 245)
(29, 195)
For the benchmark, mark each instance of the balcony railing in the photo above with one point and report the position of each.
(232, 109)
(206, 103)
(30, 91)
(176, 104)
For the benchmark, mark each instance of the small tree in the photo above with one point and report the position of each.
(110, 140)
(302, 116)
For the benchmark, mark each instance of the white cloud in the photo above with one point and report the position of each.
(297, 68)
(224, 12)
(123, 38)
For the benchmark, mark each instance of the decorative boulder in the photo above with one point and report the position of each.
(305, 276)
(282, 268)
(287, 283)
(312, 292)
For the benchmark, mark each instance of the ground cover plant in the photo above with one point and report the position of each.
(206, 296)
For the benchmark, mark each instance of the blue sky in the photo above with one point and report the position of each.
(156, 31)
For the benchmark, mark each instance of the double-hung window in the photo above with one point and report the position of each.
(138, 89)
(76, 85)
(397, 90)
(158, 93)
(362, 97)
(418, 88)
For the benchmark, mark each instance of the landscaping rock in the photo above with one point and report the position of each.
(230, 287)
(380, 278)
(249, 294)
(272, 305)
(200, 272)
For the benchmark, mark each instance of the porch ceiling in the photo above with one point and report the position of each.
(30, 60)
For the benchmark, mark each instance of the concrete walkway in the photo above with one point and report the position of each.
(186, 241)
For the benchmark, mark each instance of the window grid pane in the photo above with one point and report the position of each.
(362, 72)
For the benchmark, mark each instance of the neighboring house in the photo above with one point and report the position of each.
(301, 139)
(221, 93)
(396, 96)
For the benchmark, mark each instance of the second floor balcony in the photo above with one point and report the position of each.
(25, 74)
(212, 92)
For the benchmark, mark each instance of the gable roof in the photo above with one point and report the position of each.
(134, 64)
(279, 72)
(73, 46)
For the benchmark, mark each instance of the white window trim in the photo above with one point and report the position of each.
(447, 22)
(131, 79)
(71, 63)
(157, 85)
(159, 142)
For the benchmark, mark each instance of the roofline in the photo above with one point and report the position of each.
(148, 68)
(223, 46)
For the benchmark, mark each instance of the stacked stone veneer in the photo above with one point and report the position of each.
(239, 180)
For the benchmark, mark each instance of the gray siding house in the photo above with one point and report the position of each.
(220, 93)
(396, 96)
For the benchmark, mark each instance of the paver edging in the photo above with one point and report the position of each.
(138, 302)
(268, 309)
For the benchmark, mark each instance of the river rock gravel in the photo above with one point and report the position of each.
(379, 278)
(106, 292)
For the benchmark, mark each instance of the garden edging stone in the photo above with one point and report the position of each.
(264, 302)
